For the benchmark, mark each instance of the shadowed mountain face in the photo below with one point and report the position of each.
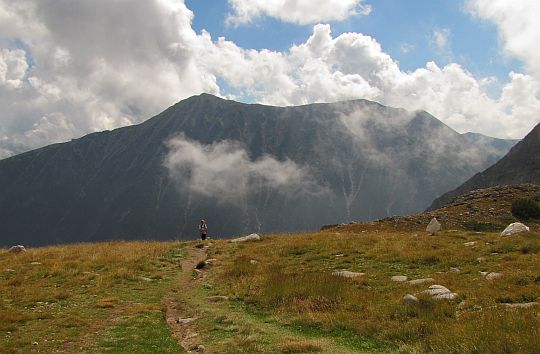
(520, 165)
(244, 168)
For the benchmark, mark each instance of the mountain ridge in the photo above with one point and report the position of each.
(372, 161)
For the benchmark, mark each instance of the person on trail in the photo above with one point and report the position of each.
(203, 229)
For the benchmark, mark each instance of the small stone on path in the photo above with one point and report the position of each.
(185, 320)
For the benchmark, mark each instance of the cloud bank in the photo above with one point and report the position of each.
(70, 67)
(224, 172)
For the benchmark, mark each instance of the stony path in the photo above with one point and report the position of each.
(177, 314)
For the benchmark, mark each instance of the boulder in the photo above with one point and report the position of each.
(410, 299)
(440, 292)
(347, 274)
(399, 278)
(252, 237)
(17, 249)
(433, 227)
(421, 281)
(514, 228)
(493, 276)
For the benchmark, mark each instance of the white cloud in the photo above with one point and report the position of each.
(96, 66)
(353, 65)
(518, 26)
(296, 11)
(441, 38)
(223, 171)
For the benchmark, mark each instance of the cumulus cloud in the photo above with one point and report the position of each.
(518, 26)
(96, 66)
(296, 11)
(353, 65)
(223, 171)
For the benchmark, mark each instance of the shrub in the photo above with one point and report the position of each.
(525, 208)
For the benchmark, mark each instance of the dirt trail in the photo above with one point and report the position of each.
(176, 311)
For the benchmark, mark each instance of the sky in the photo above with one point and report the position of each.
(72, 67)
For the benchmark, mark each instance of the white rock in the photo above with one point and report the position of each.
(434, 226)
(410, 299)
(514, 228)
(455, 270)
(36, 263)
(185, 320)
(210, 261)
(17, 249)
(446, 296)
(348, 274)
(522, 305)
(468, 244)
(421, 281)
(437, 290)
(493, 275)
(252, 261)
(252, 237)
(440, 292)
(399, 278)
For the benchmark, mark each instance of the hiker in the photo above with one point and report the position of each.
(203, 229)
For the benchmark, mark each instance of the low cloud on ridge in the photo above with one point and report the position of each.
(223, 171)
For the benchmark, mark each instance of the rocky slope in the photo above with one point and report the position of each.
(520, 165)
(244, 168)
(480, 210)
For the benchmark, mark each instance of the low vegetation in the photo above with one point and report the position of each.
(88, 298)
(526, 208)
(283, 287)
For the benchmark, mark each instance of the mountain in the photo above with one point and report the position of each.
(242, 167)
(520, 165)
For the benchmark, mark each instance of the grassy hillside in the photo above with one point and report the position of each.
(279, 295)
(88, 298)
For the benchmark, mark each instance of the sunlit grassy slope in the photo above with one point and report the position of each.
(278, 295)
(287, 281)
(88, 298)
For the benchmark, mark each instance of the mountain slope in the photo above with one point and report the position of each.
(242, 167)
(520, 165)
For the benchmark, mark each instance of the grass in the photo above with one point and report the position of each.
(291, 284)
(75, 295)
(281, 296)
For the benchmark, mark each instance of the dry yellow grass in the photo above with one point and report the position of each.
(292, 279)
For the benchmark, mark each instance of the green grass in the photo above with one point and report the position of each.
(81, 293)
(281, 295)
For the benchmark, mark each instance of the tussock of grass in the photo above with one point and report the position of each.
(299, 346)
